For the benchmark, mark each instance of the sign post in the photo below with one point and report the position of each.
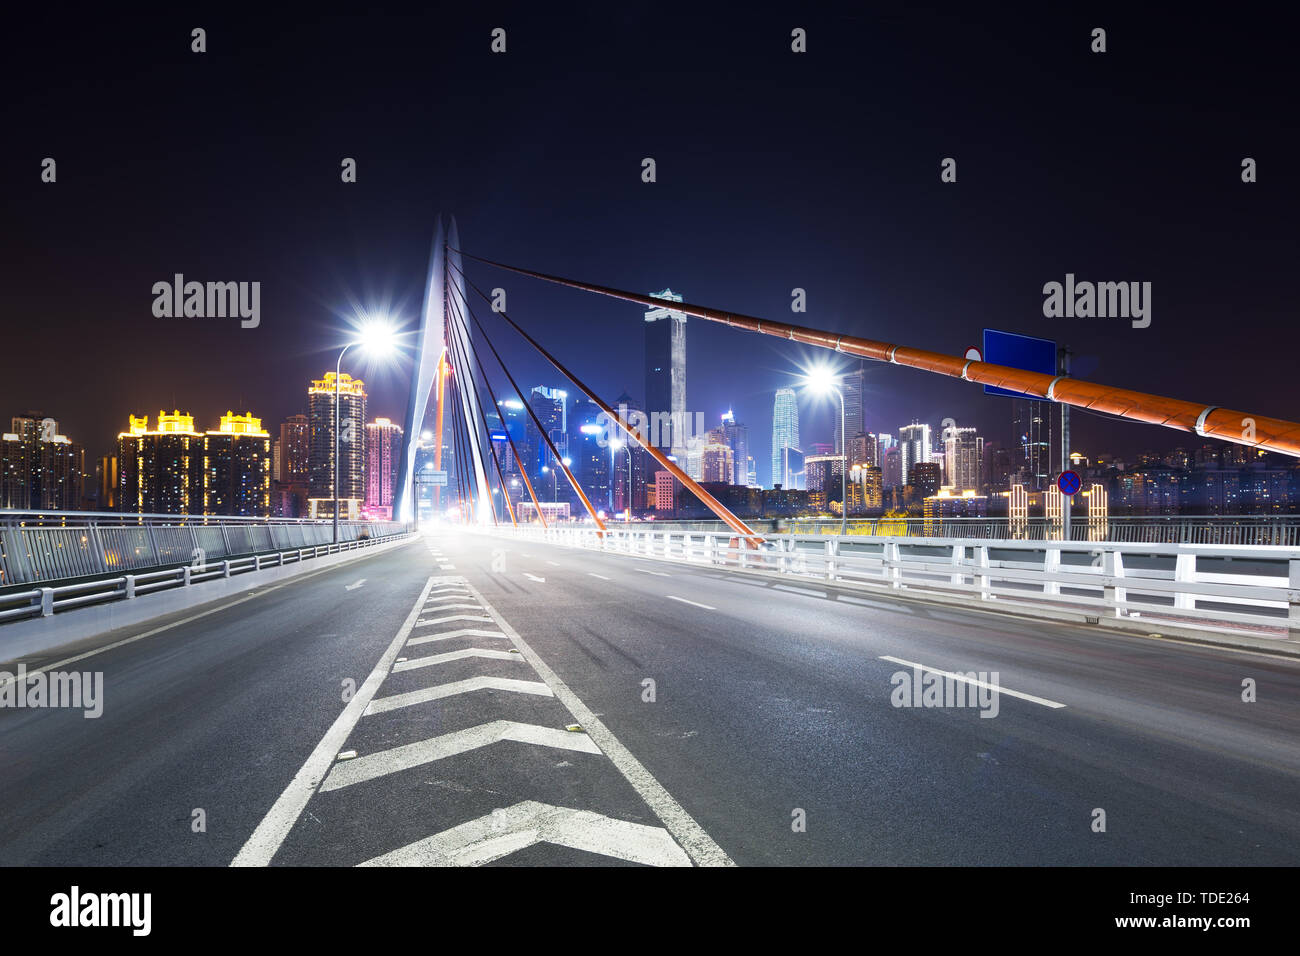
(1069, 483)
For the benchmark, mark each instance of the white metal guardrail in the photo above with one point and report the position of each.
(1245, 589)
(47, 601)
(59, 546)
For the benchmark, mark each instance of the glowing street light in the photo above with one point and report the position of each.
(378, 339)
(823, 380)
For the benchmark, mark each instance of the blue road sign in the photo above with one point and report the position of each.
(1069, 483)
(1018, 351)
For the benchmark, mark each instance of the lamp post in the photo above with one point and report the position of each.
(823, 380)
(377, 338)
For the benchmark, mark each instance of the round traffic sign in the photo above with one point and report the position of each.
(975, 355)
(1069, 483)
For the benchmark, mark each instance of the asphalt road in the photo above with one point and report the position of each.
(509, 702)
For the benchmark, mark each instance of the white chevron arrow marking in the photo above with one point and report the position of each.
(463, 632)
(455, 656)
(405, 757)
(384, 704)
(454, 617)
(503, 832)
(454, 607)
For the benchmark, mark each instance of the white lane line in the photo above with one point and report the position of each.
(595, 575)
(674, 597)
(661, 574)
(533, 577)
(978, 683)
(284, 813)
(455, 656)
(446, 567)
(438, 606)
(396, 759)
(353, 587)
(698, 844)
(384, 704)
(450, 618)
(503, 832)
(448, 635)
(554, 563)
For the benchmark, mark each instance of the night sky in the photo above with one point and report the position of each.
(775, 170)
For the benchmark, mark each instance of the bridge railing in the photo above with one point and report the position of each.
(61, 546)
(47, 601)
(1242, 588)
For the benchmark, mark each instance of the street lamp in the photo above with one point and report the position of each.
(822, 380)
(378, 339)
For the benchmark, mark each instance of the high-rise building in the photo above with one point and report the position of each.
(351, 444)
(736, 437)
(717, 460)
(664, 488)
(39, 468)
(785, 435)
(237, 468)
(914, 446)
(161, 470)
(295, 450)
(383, 451)
(824, 479)
(924, 478)
(629, 462)
(550, 405)
(852, 386)
(963, 459)
(1034, 427)
(665, 375)
(591, 461)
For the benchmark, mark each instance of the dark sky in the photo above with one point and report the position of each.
(775, 170)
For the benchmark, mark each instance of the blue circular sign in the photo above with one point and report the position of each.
(1069, 483)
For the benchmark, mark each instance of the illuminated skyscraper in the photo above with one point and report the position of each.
(963, 459)
(295, 450)
(161, 470)
(665, 376)
(914, 447)
(383, 453)
(717, 460)
(852, 385)
(351, 443)
(39, 468)
(785, 434)
(237, 467)
(736, 437)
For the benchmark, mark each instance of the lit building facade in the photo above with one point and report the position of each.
(665, 372)
(785, 436)
(383, 453)
(40, 469)
(237, 467)
(161, 470)
(351, 446)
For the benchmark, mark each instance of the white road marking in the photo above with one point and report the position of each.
(454, 617)
(438, 606)
(503, 832)
(384, 704)
(448, 635)
(692, 837)
(595, 575)
(707, 607)
(978, 683)
(262, 845)
(396, 759)
(353, 587)
(454, 656)
(533, 577)
(554, 563)
(661, 574)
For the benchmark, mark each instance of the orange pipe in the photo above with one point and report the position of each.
(1207, 421)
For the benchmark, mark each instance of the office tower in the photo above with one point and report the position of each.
(924, 478)
(161, 470)
(295, 450)
(851, 387)
(629, 462)
(862, 449)
(914, 446)
(591, 462)
(1034, 428)
(665, 488)
(893, 467)
(39, 468)
(237, 468)
(665, 375)
(717, 460)
(351, 445)
(551, 408)
(785, 434)
(963, 459)
(823, 476)
(736, 437)
(383, 451)
(107, 480)
(871, 482)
